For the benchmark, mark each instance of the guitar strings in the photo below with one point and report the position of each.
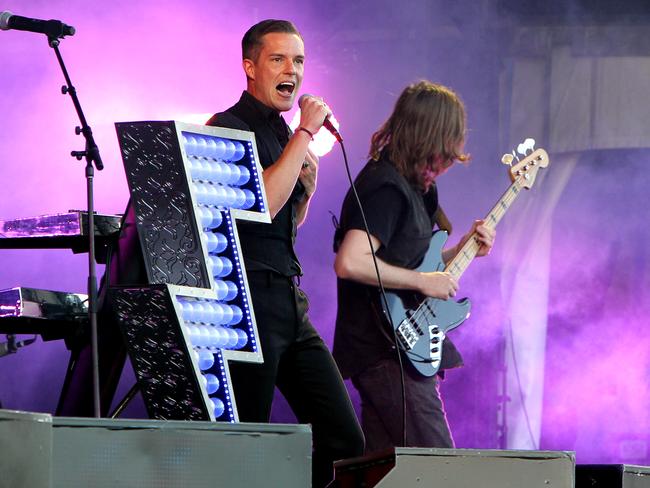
(459, 263)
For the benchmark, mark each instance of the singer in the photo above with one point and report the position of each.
(296, 359)
(420, 140)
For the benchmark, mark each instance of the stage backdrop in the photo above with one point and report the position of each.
(555, 348)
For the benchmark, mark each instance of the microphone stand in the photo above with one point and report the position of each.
(91, 154)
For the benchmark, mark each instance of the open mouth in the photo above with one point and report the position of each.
(286, 88)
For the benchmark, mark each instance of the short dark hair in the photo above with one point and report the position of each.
(251, 43)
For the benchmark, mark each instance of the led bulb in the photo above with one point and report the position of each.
(240, 150)
(230, 150)
(216, 218)
(212, 384)
(225, 173)
(211, 241)
(250, 198)
(206, 360)
(232, 291)
(187, 311)
(240, 198)
(242, 338)
(244, 175)
(232, 338)
(201, 146)
(228, 314)
(217, 318)
(230, 196)
(220, 149)
(190, 144)
(205, 216)
(221, 242)
(211, 147)
(222, 338)
(221, 289)
(217, 407)
(234, 174)
(237, 315)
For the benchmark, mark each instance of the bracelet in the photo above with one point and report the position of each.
(311, 134)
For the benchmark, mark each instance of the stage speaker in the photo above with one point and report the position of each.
(25, 449)
(457, 468)
(39, 451)
(612, 476)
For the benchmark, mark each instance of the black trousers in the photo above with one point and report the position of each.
(298, 362)
(381, 407)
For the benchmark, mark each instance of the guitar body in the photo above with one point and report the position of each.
(421, 323)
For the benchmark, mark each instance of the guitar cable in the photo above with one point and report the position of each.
(382, 293)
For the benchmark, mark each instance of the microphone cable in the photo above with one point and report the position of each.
(382, 292)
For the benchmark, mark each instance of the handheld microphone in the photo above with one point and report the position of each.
(54, 29)
(327, 123)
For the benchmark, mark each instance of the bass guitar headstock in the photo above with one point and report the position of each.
(525, 170)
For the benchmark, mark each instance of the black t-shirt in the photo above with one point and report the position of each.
(402, 218)
(266, 246)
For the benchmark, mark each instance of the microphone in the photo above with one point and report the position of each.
(54, 29)
(327, 123)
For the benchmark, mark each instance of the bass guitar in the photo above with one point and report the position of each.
(421, 324)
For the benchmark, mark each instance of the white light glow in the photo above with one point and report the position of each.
(200, 119)
(323, 140)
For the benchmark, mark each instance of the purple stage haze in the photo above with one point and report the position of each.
(173, 59)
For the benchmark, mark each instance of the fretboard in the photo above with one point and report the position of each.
(467, 253)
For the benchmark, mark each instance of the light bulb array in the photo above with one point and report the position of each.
(218, 183)
(188, 185)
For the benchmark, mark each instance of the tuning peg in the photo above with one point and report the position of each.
(527, 145)
(507, 158)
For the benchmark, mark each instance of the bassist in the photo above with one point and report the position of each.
(421, 139)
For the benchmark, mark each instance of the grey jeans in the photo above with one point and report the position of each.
(381, 407)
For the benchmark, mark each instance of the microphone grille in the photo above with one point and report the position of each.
(303, 97)
(4, 19)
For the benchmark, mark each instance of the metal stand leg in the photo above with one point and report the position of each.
(125, 401)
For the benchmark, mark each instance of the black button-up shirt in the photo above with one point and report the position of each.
(402, 218)
(266, 246)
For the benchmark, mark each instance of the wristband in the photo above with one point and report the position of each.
(311, 134)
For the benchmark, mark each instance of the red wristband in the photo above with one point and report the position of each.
(311, 134)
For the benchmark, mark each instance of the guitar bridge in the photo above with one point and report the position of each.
(407, 334)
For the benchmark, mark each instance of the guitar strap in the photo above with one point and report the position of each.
(441, 220)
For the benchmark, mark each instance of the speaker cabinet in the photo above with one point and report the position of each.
(457, 468)
(39, 451)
